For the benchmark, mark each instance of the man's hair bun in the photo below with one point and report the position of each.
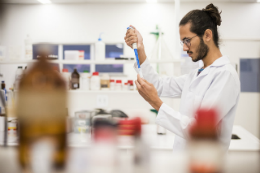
(214, 13)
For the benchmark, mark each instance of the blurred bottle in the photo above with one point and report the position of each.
(66, 77)
(205, 151)
(75, 79)
(4, 89)
(141, 153)
(100, 49)
(18, 76)
(28, 47)
(41, 110)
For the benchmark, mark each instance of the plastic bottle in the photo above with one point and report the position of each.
(18, 76)
(3, 88)
(75, 79)
(205, 150)
(130, 85)
(66, 77)
(112, 84)
(125, 86)
(95, 81)
(105, 82)
(99, 49)
(28, 47)
(84, 80)
(118, 86)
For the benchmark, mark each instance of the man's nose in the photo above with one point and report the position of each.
(185, 47)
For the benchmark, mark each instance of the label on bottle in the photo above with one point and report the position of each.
(75, 83)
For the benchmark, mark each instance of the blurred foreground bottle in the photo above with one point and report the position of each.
(41, 109)
(205, 151)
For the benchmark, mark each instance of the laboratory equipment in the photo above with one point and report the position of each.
(41, 110)
(100, 49)
(28, 47)
(66, 77)
(85, 80)
(75, 79)
(105, 82)
(134, 45)
(95, 81)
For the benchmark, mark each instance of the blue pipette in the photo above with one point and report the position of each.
(134, 45)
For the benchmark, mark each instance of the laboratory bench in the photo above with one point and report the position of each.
(247, 141)
(243, 155)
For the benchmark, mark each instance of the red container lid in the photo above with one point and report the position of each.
(95, 74)
(118, 81)
(126, 83)
(65, 70)
(112, 80)
(130, 81)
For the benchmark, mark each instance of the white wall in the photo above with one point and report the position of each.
(82, 23)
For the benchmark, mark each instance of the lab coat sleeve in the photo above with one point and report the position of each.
(165, 86)
(222, 94)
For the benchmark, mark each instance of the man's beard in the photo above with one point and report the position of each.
(202, 51)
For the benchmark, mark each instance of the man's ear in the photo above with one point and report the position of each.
(207, 35)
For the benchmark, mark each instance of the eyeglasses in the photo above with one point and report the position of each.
(186, 41)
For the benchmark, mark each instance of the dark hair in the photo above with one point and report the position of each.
(201, 20)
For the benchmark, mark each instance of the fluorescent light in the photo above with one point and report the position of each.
(258, 1)
(151, 1)
(45, 1)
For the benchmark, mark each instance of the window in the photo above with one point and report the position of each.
(51, 49)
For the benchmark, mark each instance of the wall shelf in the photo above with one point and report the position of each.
(101, 92)
(89, 61)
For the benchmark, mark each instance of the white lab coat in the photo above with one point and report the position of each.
(217, 86)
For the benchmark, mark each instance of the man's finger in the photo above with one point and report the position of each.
(132, 26)
(140, 80)
(138, 86)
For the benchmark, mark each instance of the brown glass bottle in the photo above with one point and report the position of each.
(75, 79)
(41, 110)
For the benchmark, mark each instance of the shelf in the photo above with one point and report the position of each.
(89, 61)
(102, 92)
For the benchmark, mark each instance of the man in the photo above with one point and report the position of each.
(215, 85)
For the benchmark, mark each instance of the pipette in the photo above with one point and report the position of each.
(134, 45)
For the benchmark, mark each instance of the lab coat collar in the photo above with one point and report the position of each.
(217, 63)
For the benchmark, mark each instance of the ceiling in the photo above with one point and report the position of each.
(114, 1)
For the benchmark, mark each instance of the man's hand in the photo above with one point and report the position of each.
(133, 36)
(148, 92)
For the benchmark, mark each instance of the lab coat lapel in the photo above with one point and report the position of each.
(197, 77)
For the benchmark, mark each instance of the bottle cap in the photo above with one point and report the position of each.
(95, 74)
(65, 70)
(112, 80)
(118, 81)
(86, 71)
(20, 67)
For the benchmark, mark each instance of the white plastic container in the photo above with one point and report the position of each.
(95, 81)
(28, 47)
(66, 76)
(84, 81)
(105, 82)
(100, 50)
(18, 76)
(118, 86)
(112, 84)
(125, 86)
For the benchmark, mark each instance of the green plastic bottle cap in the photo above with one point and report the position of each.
(86, 71)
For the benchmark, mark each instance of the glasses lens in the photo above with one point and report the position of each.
(187, 42)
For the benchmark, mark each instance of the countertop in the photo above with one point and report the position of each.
(248, 142)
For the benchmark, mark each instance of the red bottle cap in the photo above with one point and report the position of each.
(95, 73)
(65, 70)
(112, 80)
(118, 81)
